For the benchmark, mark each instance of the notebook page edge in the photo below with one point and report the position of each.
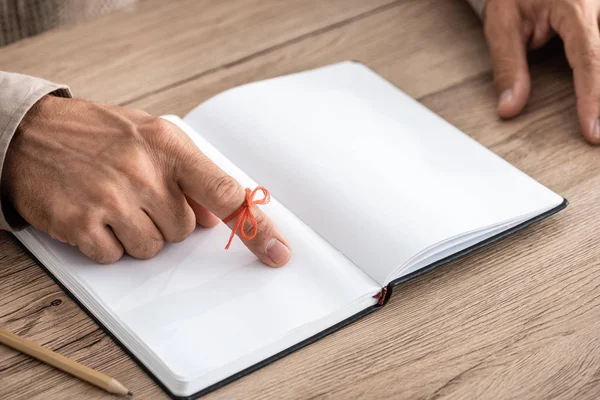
(479, 232)
(476, 246)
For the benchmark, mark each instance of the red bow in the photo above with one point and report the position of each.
(245, 212)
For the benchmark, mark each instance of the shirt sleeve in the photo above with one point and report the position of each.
(18, 93)
(478, 6)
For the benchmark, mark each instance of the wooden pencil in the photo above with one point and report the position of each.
(63, 363)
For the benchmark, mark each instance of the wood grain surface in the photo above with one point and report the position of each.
(517, 320)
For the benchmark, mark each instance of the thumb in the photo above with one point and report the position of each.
(507, 37)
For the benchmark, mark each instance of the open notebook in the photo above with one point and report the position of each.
(368, 186)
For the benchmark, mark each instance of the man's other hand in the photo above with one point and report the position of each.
(513, 26)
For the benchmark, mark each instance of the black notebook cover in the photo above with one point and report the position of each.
(386, 296)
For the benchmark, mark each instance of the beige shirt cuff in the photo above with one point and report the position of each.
(479, 6)
(18, 93)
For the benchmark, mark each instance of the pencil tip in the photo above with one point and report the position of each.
(129, 394)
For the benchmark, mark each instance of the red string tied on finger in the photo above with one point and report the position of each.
(244, 213)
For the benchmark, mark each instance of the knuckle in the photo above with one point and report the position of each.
(264, 230)
(139, 113)
(227, 192)
(138, 167)
(79, 221)
(61, 219)
(128, 129)
(85, 222)
(94, 248)
(180, 219)
(146, 247)
(576, 8)
(155, 128)
(114, 203)
(109, 257)
(168, 146)
(568, 14)
(590, 58)
(185, 224)
(160, 126)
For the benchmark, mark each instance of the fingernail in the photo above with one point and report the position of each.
(596, 131)
(277, 251)
(506, 96)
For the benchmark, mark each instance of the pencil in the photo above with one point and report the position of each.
(63, 363)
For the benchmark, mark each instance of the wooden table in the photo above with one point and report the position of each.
(519, 319)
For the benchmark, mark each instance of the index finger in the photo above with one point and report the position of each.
(577, 25)
(202, 180)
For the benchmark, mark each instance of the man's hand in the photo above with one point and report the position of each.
(513, 26)
(112, 180)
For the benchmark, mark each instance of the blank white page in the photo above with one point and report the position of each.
(371, 170)
(196, 313)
